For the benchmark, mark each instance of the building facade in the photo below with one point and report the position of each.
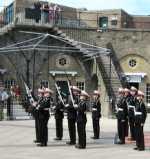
(126, 36)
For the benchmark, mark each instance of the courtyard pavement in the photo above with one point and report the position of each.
(16, 142)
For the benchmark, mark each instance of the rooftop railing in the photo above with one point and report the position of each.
(72, 19)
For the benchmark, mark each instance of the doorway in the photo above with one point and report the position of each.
(63, 85)
(136, 85)
(103, 22)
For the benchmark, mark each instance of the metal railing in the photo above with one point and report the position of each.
(24, 16)
(73, 19)
(117, 66)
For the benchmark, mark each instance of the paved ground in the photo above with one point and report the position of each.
(16, 143)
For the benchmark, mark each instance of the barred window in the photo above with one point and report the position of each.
(9, 83)
(81, 85)
(132, 63)
(148, 93)
(114, 22)
(63, 61)
(44, 83)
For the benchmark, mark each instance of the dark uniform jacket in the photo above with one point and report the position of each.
(71, 111)
(140, 107)
(35, 111)
(96, 109)
(81, 111)
(59, 111)
(44, 107)
(45, 103)
(131, 101)
(122, 109)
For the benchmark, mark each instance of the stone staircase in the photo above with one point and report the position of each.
(110, 75)
(18, 112)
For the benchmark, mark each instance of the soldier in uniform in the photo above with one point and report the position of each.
(131, 106)
(122, 113)
(35, 113)
(72, 115)
(96, 114)
(81, 120)
(59, 115)
(44, 116)
(140, 117)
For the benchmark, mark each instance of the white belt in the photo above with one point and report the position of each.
(131, 106)
(120, 109)
(138, 113)
(46, 109)
(94, 109)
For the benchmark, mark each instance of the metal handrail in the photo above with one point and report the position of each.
(65, 18)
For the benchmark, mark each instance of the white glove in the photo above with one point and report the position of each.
(54, 107)
(94, 109)
(122, 120)
(67, 105)
(76, 106)
(34, 104)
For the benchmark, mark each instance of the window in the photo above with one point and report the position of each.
(81, 85)
(114, 22)
(44, 83)
(132, 63)
(103, 22)
(148, 94)
(62, 61)
(9, 83)
(9, 13)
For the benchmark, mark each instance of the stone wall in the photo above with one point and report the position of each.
(127, 45)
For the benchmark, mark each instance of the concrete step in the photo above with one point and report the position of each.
(23, 118)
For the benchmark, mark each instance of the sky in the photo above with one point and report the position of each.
(139, 7)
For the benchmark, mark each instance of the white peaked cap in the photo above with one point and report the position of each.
(126, 90)
(40, 90)
(133, 88)
(120, 90)
(47, 90)
(75, 88)
(96, 92)
(140, 93)
(83, 93)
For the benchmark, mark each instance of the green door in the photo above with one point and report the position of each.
(103, 22)
(63, 88)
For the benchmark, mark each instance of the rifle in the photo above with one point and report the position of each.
(59, 94)
(60, 97)
(71, 94)
(31, 99)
